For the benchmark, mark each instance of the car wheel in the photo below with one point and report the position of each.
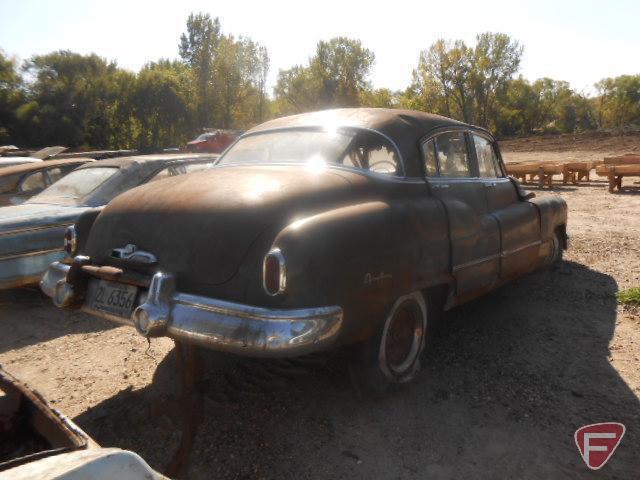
(393, 356)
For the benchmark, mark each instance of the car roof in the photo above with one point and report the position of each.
(33, 166)
(384, 120)
(18, 160)
(125, 162)
(405, 128)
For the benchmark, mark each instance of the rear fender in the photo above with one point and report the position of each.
(553, 216)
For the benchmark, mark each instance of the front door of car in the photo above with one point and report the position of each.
(474, 233)
(519, 219)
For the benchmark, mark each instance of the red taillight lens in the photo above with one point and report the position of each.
(274, 275)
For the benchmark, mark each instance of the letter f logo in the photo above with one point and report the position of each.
(597, 442)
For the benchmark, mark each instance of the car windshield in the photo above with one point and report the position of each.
(349, 147)
(75, 186)
(204, 136)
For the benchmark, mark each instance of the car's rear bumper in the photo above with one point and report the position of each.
(211, 323)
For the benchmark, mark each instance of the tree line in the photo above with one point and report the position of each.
(220, 81)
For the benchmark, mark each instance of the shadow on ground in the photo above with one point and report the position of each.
(507, 383)
(26, 320)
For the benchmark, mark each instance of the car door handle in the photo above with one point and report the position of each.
(489, 185)
(441, 185)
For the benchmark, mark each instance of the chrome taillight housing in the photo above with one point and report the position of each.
(274, 273)
(71, 241)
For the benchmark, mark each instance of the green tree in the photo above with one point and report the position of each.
(619, 101)
(230, 74)
(379, 98)
(11, 96)
(496, 58)
(71, 99)
(296, 91)
(464, 82)
(335, 77)
(262, 72)
(160, 103)
(442, 78)
(518, 109)
(239, 73)
(198, 48)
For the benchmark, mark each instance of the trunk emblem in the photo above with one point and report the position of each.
(131, 253)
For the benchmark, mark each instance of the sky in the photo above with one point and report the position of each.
(577, 41)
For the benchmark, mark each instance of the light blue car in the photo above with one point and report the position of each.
(32, 234)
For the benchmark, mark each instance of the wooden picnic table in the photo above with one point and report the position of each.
(543, 171)
(615, 173)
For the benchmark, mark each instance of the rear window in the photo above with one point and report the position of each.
(350, 147)
(77, 185)
(33, 181)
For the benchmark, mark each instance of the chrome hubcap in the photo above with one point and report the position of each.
(403, 337)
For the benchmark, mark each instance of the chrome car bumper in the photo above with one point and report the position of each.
(210, 323)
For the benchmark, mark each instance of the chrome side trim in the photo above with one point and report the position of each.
(31, 253)
(506, 253)
(34, 229)
(475, 262)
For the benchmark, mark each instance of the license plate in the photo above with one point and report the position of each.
(113, 298)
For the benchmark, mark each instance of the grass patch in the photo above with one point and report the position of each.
(631, 297)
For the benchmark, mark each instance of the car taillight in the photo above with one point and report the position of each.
(71, 241)
(274, 276)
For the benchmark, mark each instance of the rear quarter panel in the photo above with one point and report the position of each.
(553, 214)
(363, 256)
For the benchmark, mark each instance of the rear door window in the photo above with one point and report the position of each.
(488, 164)
(171, 171)
(451, 152)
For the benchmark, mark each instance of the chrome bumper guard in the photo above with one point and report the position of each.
(207, 322)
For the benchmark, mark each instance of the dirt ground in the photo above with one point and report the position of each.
(509, 379)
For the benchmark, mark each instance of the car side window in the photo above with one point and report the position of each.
(171, 171)
(487, 158)
(451, 152)
(372, 152)
(34, 181)
(194, 167)
(55, 174)
(429, 158)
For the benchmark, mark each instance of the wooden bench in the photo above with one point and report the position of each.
(628, 159)
(543, 171)
(575, 172)
(615, 173)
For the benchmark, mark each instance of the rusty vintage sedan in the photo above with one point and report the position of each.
(20, 182)
(342, 227)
